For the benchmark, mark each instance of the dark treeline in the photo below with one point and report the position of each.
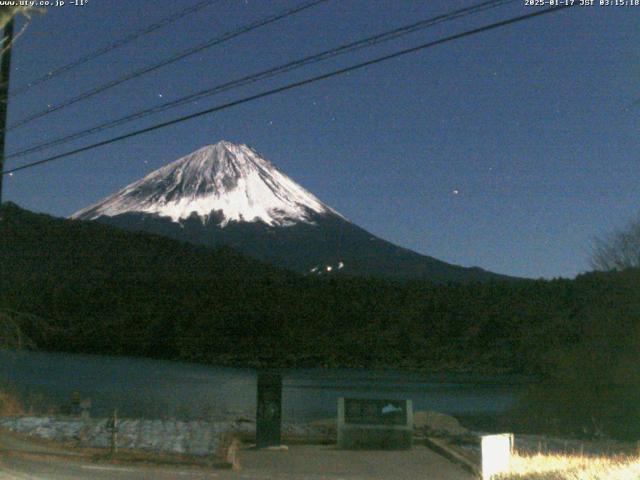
(108, 291)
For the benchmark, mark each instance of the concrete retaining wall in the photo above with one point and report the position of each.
(173, 436)
(192, 438)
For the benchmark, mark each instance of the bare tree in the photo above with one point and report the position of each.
(618, 250)
(7, 13)
(11, 330)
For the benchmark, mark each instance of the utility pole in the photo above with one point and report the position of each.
(5, 70)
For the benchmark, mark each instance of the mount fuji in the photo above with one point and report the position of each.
(227, 194)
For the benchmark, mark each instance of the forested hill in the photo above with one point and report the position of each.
(105, 290)
(38, 244)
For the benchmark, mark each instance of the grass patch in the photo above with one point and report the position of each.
(572, 467)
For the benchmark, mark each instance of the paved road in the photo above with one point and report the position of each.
(325, 462)
(20, 460)
(300, 463)
(13, 467)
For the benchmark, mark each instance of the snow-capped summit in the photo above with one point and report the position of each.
(228, 195)
(232, 181)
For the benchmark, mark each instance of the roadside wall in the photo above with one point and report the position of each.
(192, 438)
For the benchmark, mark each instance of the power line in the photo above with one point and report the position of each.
(174, 58)
(291, 86)
(114, 45)
(305, 61)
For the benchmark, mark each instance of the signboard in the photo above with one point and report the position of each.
(375, 423)
(496, 454)
(375, 412)
(269, 410)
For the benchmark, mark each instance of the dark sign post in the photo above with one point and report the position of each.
(269, 410)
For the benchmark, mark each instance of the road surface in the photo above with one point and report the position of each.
(20, 460)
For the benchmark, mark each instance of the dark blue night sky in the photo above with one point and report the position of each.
(508, 150)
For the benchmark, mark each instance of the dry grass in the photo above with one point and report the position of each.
(10, 405)
(573, 467)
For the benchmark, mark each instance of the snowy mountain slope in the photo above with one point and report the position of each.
(226, 194)
(231, 180)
